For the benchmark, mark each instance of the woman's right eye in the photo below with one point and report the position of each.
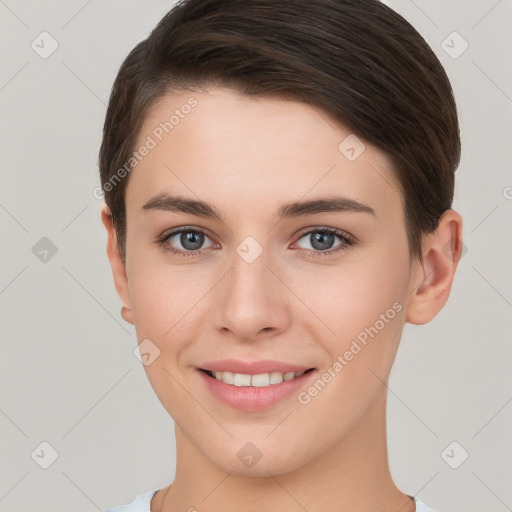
(190, 240)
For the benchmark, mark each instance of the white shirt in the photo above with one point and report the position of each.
(142, 504)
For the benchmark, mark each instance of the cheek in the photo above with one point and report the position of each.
(363, 308)
(349, 300)
(163, 304)
(367, 322)
(152, 302)
(163, 298)
(169, 309)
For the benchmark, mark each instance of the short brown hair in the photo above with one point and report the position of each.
(357, 59)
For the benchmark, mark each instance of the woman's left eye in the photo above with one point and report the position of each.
(321, 241)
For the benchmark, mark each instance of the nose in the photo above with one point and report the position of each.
(251, 302)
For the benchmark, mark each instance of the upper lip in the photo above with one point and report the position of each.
(252, 367)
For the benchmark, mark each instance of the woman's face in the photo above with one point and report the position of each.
(264, 281)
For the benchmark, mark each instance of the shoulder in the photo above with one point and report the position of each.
(140, 504)
(421, 507)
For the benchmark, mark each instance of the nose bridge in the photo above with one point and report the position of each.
(252, 298)
(250, 276)
(250, 279)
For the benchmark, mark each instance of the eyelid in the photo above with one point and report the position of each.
(335, 231)
(180, 229)
(299, 235)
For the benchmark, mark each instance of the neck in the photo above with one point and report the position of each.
(352, 475)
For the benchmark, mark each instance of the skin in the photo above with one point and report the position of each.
(248, 156)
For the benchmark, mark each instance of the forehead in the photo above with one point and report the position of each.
(228, 148)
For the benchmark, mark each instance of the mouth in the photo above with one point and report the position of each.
(254, 385)
(260, 380)
(255, 392)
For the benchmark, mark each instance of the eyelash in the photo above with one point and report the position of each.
(347, 241)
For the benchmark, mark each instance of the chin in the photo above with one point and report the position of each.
(249, 460)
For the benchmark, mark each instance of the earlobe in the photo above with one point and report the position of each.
(126, 313)
(431, 280)
(116, 262)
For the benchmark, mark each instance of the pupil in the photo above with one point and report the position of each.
(191, 240)
(319, 240)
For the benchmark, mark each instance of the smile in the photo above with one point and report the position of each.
(259, 380)
(254, 391)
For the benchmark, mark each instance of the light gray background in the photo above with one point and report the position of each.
(68, 375)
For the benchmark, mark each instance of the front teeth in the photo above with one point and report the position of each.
(260, 380)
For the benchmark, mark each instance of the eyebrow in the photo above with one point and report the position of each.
(330, 204)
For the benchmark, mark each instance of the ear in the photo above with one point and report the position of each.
(116, 262)
(431, 280)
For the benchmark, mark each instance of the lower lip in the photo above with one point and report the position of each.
(249, 398)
